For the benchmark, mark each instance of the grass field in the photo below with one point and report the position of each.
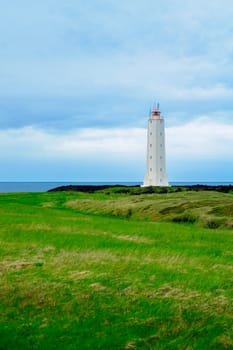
(109, 270)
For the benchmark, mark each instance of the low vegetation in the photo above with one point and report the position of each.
(112, 270)
(209, 209)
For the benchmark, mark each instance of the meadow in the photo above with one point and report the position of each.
(115, 270)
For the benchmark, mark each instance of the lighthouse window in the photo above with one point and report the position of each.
(161, 134)
(150, 157)
(161, 145)
(150, 169)
(150, 133)
(161, 157)
(151, 145)
(161, 169)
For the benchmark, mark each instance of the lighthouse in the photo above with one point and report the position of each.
(156, 162)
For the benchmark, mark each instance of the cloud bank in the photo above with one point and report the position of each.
(200, 140)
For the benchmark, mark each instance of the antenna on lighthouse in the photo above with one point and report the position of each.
(158, 106)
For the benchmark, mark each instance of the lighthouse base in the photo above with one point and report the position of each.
(151, 182)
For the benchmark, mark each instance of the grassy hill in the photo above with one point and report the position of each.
(112, 270)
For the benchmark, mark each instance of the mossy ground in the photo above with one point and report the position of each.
(116, 271)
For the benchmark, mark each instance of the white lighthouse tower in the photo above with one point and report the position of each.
(156, 163)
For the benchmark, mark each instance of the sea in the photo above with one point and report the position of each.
(45, 186)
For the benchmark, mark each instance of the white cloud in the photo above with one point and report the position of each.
(200, 138)
(217, 92)
(34, 143)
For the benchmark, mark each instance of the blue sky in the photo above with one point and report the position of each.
(77, 80)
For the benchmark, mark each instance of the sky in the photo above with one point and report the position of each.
(77, 81)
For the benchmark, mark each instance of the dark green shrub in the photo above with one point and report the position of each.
(188, 218)
(129, 213)
(212, 223)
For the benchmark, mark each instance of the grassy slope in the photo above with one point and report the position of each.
(76, 275)
(207, 209)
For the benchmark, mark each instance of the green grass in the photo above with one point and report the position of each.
(110, 270)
